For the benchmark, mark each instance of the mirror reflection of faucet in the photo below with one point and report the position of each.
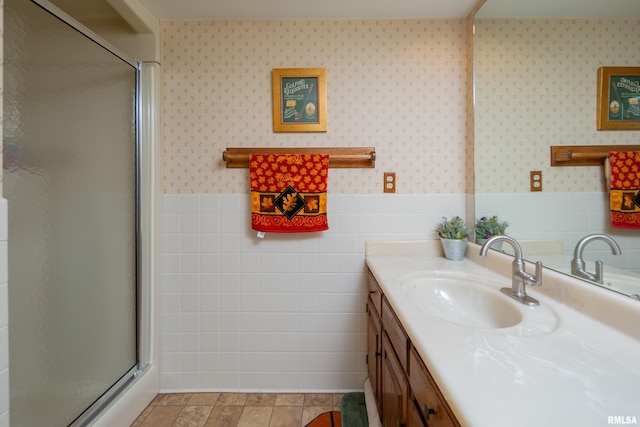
(578, 265)
(519, 277)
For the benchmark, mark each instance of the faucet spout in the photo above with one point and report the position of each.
(519, 277)
(578, 265)
(517, 249)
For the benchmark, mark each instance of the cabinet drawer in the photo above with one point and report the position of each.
(375, 293)
(396, 333)
(426, 397)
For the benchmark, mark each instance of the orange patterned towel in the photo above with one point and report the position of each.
(625, 189)
(289, 192)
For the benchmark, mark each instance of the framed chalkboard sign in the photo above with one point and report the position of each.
(618, 98)
(299, 99)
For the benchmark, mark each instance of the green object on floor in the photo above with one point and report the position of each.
(354, 410)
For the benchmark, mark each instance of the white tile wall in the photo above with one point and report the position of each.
(285, 313)
(564, 216)
(4, 319)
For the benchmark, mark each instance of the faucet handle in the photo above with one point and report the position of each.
(599, 272)
(536, 280)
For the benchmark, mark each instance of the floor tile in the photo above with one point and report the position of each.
(193, 416)
(236, 409)
(337, 400)
(173, 399)
(204, 399)
(255, 416)
(224, 416)
(232, 399)
(286, 399)
(320, 399)
(286, 416)
(162, 416)
(261, 399)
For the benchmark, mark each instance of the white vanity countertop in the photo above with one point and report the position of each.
(577, 366)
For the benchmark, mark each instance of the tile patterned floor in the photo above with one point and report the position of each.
(236, 409)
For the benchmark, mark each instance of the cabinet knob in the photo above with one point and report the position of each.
(427, 412)
(372, 292)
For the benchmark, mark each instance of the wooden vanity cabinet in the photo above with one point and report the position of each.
(405, 393)
(374, 340)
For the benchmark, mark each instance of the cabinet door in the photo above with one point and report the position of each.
(426, 397)
(375, 293)
(394, 388)
(394, 330)
(374, 353)
(414, 419)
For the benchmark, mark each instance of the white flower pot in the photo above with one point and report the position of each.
(454, 249)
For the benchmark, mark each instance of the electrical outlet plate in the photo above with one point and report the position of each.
(389, 182)
(535, 180)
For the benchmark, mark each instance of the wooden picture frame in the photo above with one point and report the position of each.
(618, 98)
(299, 99)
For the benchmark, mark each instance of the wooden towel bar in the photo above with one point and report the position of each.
(339, 157)
(585, 155)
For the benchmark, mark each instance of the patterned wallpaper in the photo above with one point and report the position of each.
(536, 86)
(1, 88)
(397, 85)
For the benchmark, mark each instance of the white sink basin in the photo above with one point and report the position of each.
(472, 302)
(464, 300)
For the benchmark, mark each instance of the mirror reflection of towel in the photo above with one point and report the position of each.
(624, 192)
(289, 192)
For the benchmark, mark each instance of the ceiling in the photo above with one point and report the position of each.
(560, 9)
(87, 10)
(321, 9)
(360, 9)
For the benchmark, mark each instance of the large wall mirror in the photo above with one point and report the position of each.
(535, 72)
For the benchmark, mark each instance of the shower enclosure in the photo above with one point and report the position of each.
(70, 178)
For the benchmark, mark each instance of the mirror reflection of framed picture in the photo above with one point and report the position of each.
(299, 99)
(618, 98)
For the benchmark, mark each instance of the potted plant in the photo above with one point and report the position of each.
(487, 227)
(454, 235)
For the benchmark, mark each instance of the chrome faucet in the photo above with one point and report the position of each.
(577, 263)
(519, 277)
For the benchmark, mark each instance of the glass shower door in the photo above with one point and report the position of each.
(70, 181)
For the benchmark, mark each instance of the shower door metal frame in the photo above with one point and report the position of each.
(92, 412)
